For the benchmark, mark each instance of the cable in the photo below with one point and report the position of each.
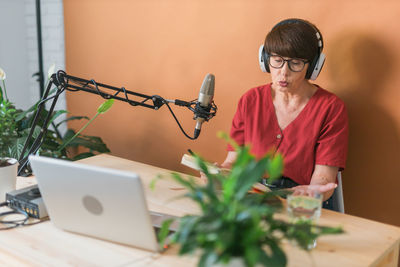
(16, 222)
(103, 95)
(13, 223)
(40, 221)
(177, 121)
(51, 97)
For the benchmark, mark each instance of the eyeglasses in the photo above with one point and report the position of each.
(295, 64)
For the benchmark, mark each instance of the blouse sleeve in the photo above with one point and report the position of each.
(237, 128)
(332, 143)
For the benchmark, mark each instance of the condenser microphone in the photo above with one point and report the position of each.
(204, 103)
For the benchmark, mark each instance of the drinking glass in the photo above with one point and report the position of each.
(303, 208)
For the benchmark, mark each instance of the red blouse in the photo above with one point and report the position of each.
(318, 135)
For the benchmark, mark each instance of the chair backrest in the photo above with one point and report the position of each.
(338, 201)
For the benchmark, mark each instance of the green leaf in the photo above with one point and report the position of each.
(83, 156)
(324, 230)
(186, 229)
(90, 142)
(275, 167)
(230, 141)
(72, 118)
(56, 114)
(105, 106)
(189, 185)
(50, 144)
(17, 148)
(251, 174)
(276, 259)
(251, 255)
(23, 114)
(153, 182)
(164, 231)
(36, 131)
(208, 258)
(68, 134)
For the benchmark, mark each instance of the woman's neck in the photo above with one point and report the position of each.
(289, 104)
(293, 97)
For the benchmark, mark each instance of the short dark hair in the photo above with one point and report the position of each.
(295, 38)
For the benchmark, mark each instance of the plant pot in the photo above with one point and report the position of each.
(8, 176)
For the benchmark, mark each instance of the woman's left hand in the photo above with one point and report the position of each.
(309, 190)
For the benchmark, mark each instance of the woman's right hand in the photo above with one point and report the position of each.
(203, 176)
(225, 166)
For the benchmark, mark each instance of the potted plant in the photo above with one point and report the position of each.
(15, 125)
(235, 226)
(8, 176)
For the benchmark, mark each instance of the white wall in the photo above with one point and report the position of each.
(14, 52)
(18, 46)
(52, 41)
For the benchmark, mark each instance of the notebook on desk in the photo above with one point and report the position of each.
(99, 202)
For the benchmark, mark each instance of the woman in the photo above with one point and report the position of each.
(297, 118)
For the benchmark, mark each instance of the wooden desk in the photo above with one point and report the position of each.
(365, 243)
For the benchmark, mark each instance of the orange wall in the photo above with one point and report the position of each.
(167, 47)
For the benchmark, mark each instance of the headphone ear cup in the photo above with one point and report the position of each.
(315, 68)
(262, 60)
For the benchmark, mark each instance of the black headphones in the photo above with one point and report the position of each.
(314, 67)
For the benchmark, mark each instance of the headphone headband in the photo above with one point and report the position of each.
(315, 65)
(318, 34)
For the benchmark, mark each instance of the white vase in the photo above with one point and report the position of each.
(8, 178)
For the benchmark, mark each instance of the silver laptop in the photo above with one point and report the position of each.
(104, 203)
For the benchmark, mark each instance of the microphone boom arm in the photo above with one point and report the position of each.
(63, 82)
(72, 83)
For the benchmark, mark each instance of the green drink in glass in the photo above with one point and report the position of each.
(302, 209)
